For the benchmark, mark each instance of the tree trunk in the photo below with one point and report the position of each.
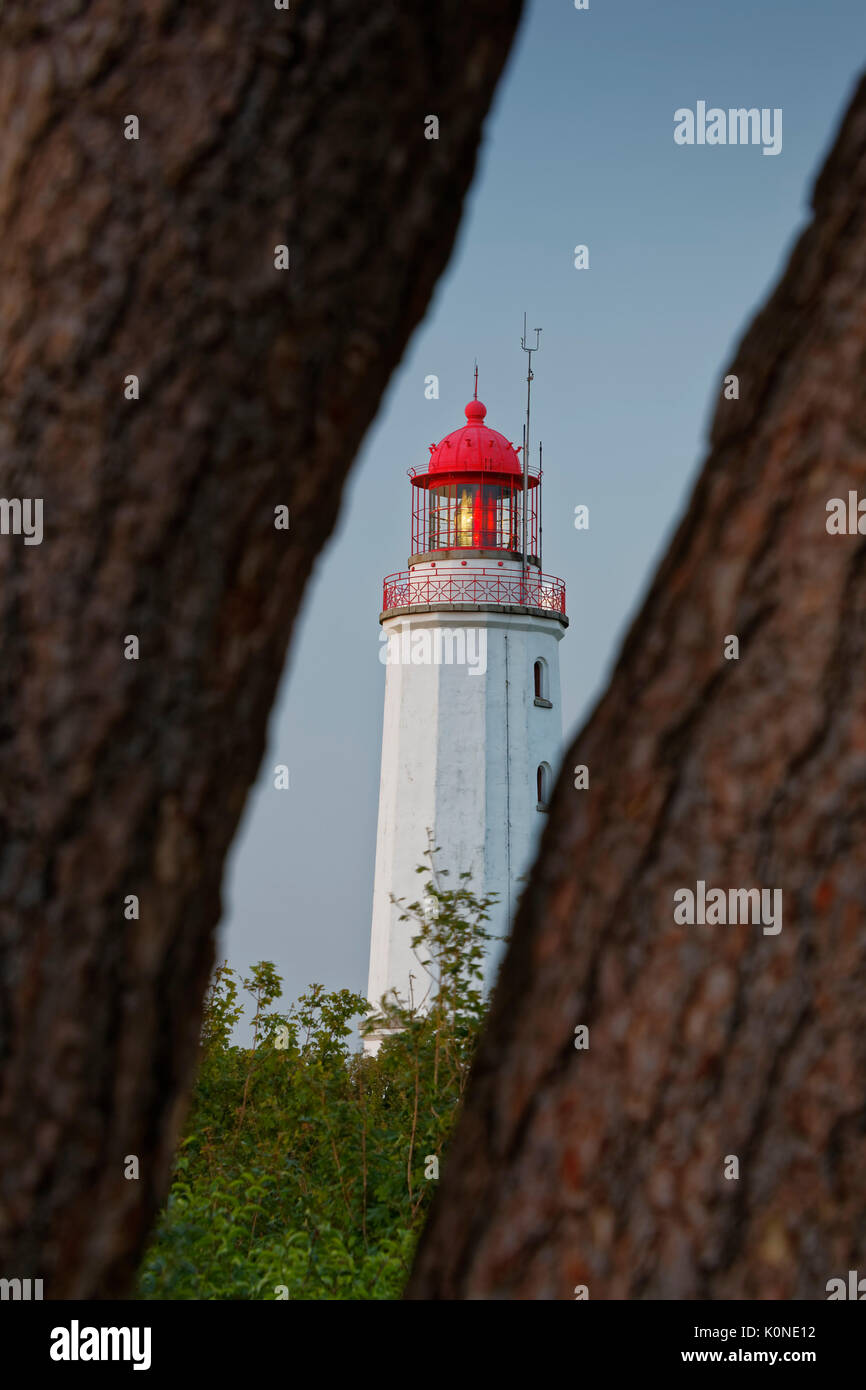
(606, 1167)
(155, 257)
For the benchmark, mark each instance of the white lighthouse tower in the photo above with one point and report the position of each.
(472, 723)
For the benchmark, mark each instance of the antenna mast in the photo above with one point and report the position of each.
(529, 379)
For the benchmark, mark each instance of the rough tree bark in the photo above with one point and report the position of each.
(155, 257)
(605, 1167)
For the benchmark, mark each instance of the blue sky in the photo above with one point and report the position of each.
(684, 244)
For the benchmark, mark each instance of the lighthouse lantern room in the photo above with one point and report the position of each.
(471, 497)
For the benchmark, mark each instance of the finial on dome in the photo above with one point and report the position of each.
(475, 397)
(475, 411)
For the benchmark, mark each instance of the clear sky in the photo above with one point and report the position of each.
(684, 243)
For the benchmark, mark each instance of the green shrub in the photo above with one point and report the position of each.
(302, 1170)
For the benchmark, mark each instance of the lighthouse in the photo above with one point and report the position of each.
(470, 634)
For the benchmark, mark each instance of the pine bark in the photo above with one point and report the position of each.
(155, 257)
(605, 1167)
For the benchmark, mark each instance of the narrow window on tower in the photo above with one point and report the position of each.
(539, 675)
(542, 779)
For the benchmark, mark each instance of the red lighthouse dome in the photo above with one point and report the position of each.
(471, 498)
(474, 448)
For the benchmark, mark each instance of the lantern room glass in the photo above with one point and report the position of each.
(471, 515)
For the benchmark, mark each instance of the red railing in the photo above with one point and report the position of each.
(474, 586)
